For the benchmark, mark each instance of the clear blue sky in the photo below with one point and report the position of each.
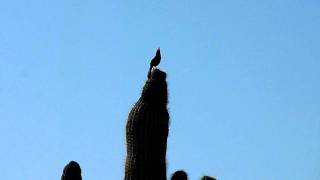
(243, 81)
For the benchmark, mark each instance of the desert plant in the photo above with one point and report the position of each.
(147, 131)
(71, 171)
(179, 175)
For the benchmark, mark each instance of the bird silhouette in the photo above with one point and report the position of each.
(154, 62)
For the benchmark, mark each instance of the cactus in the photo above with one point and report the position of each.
(147, 131)
(179, 175)
(207, 178)
(71, 171)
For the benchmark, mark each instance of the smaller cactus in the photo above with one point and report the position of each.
(208, 178)
(179, 175)
(71, 171)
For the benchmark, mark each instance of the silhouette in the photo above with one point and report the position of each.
(207, 178)
(179, 175)
(147, 131)
(154, 62)
(71, 171)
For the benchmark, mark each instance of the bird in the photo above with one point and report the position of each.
(155, 61)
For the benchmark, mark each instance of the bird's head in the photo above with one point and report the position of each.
(158, 52)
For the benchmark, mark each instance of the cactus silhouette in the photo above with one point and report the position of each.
(207, 178)
(147, 131)
(179, 175)
(71, 171)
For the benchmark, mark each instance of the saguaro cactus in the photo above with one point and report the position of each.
(179, 175)
(207, 178)
(147, 131)
(71, 171)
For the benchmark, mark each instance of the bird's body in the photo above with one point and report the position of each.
(155, 61)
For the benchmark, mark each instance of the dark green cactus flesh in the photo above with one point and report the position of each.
(147, 131)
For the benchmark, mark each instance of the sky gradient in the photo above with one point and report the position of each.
(243, 82)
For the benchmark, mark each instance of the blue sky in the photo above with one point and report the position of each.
(243, 83)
